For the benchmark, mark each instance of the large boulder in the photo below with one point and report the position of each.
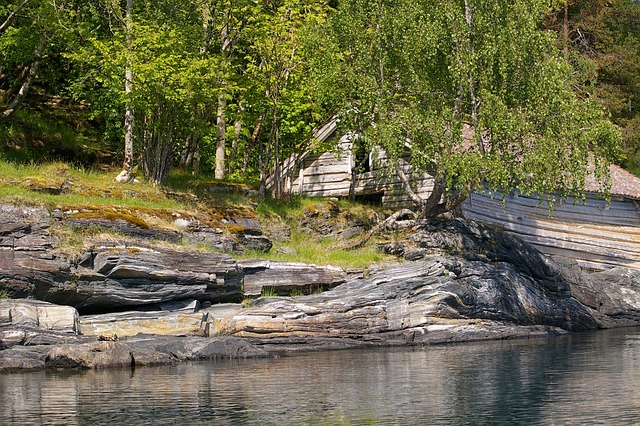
(26, 322)
(36, 313)
(612, 296)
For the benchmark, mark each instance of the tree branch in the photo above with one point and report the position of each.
(417, 200)
(26, 85)
(385, 224)
(12, 16)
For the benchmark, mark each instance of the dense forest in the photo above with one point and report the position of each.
(230, 88)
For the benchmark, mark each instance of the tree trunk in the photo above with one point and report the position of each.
(127, 166)
(263, 168)
(190, 155)
(128, 125)
(237, 129)
(195, 171)
(158, 146)
(15, 86)
(273, 143)
(226, 48)
(434, 205)
(26, 84)
(186, 156)
(221, 139)
(252, 142)
(417, 200)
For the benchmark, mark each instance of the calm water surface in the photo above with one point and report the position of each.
(580, 379)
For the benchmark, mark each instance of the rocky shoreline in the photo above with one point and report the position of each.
(140, 303)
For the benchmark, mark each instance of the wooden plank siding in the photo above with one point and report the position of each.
(597, 235)
(593, 211)
(326, 174)
(384, 180)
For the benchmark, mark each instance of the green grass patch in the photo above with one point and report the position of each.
(33, 183)
(296, 292)
(321, 253)
(293, 209)
(268, 292)
(312, 249)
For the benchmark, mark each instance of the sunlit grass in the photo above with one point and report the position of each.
(87, 189)
(321, 253)
(324, 251)
(324, 255)
(32, 183)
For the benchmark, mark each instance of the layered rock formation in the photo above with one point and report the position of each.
(285, 277)
(460, 281)
(109, 274)
(489, 281)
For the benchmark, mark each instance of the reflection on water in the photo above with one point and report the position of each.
(578, 379)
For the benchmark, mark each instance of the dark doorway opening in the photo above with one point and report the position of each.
(370, 199)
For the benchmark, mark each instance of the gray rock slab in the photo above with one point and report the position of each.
(93, 355)
(286, 276)
(38, 314)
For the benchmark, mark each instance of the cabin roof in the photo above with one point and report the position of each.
(623, 183)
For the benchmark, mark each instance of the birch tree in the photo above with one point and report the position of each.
(170, 78)
(279, 70)
(25, 32)
(478, 91)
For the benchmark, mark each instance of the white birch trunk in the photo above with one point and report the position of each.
(127, 167)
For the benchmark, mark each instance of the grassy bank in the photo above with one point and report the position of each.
(96, 194)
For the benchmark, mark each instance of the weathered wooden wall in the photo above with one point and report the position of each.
(389, 186)
(383, 180)
(597, 234)
(331, 175)
(325, 175)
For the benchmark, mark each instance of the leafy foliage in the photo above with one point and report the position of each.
(475, 88)
(480, 89)
(603, 43)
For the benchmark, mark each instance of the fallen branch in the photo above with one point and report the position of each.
(385, 224)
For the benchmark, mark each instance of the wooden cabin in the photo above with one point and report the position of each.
(598, 234)
(345, 174)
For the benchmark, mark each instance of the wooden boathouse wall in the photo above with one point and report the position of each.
(383, 180)
(327, 174)
(597, 234)
(331, 175)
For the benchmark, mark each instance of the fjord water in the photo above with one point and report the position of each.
(589, 378)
